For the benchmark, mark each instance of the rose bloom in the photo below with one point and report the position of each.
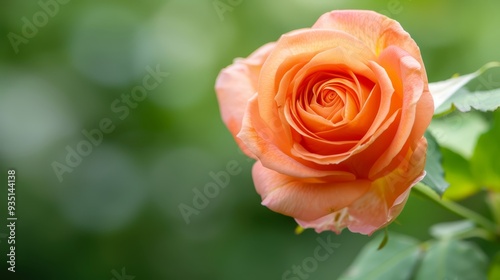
(335, 116)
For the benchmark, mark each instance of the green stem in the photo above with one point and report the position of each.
(458, 209)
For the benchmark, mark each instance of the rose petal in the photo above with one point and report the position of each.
(377, 31)
(304, 199)
(406, 75)
(358, 165)
(383, 202)
(235, 85)
(335, 222)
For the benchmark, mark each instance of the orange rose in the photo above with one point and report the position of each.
(335, 116)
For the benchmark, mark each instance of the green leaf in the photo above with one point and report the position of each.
(485, 162)
(494, 271)
(396, 261)
(460, 230)
(452, 259)
(405, 258)
(434, 177)
(459, 175)
(442, 91)
(459, 132)
(465, 101)
(451, 229)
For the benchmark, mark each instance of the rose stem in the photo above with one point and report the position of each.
(458, 209)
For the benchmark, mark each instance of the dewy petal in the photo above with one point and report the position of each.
(236, 84)
(304, 199)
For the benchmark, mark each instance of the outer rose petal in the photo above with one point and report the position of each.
(305, 199)
(406, 73)
(375, 30)
(335, 222)
(381, 204)
(235, 85)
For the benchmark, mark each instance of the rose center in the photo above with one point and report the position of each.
(331, 96)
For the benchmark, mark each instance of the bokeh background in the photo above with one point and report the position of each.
(116, 214)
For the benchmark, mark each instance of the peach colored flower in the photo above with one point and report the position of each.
(335, 116)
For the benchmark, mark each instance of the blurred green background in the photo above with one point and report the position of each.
(116, 214)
